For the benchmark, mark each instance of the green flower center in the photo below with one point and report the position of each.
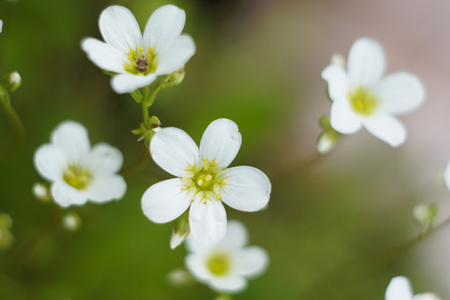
(77, 176)
(363, 101)
(205, 179)
(140, 62)
(219, 263)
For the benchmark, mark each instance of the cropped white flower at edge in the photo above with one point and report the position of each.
(224, 266)
(78, 172)
(1, 25)
(400, 289)
(361, 97)
(204, 180)
(139, 59)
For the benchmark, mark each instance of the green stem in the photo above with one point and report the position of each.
(148, 99)
(136, 96)
(19, 131)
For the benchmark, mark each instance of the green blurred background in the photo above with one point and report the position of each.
(257, 63)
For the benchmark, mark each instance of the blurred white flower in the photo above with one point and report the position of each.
(362, 98)
(78, 172)
(135, 58)
(204, 180)
(400, 289)
(1, 25)
(225, 265)
(447, 176)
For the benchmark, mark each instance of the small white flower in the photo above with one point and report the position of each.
(204, 180)
(362, 98)
(78, 172)
(225, 265)
(135, 58)
(400, 289)
(1, 25)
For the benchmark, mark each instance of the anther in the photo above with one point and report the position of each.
(208, 177)
(200, 182)
(141, 50)
(218, 196)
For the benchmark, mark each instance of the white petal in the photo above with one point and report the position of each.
(399, 289)
(165, 24)
(426, 296)
(49, 162)
(193, 245)
(251, 261)
(72, 139)
(103, 55)
(208, 220)
(447, 176)
(365, 63)
(174, 151)
(127, 83)
(106, 188)
(197, 267)
(66, 195)
(166, 200)
(236, 236)
(337, 82)
(386, 128)
(343, 118)
(1, 25)
(221, 142)
(400, 93)
(246, 188)
(120, 29)
(105, 159)
(229, 284)
(175, 54)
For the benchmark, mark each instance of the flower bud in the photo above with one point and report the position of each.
(41, 192)
(5, 221)
(71, 221)
(425, 213)
(12, 81)
(180, 231)
(328, 138)
(179, 278)
(173, 79)
(338, 60)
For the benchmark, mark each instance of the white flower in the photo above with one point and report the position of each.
(135, 58)
(400, 289)
(204, 181)
(1, 25)
(362, 98)
(77, 172)
(225, 265)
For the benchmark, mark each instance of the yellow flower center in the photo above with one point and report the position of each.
(219, 263)
(363, 101)
(141, 62)
(77, 176)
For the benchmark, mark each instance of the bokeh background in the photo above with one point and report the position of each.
(257, 63)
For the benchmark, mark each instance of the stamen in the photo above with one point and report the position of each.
(132, 51)
(200, 182)
(218, 196)
(208, 177)
(190, 167)
(140, 49)
(151, 51)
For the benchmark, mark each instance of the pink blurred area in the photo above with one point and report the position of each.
(301, 36)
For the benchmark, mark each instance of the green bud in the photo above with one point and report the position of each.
(180, 230)
(173, 79)
(71, 221)
(328, 138)
(12, 81)
(425, 213)
(5, 221)
(6, 239)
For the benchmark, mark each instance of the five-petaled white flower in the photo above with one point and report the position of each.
(225, 265)
(400, 289)
(362, 98)
(204, 181)
(77, 171)
(135, 58)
